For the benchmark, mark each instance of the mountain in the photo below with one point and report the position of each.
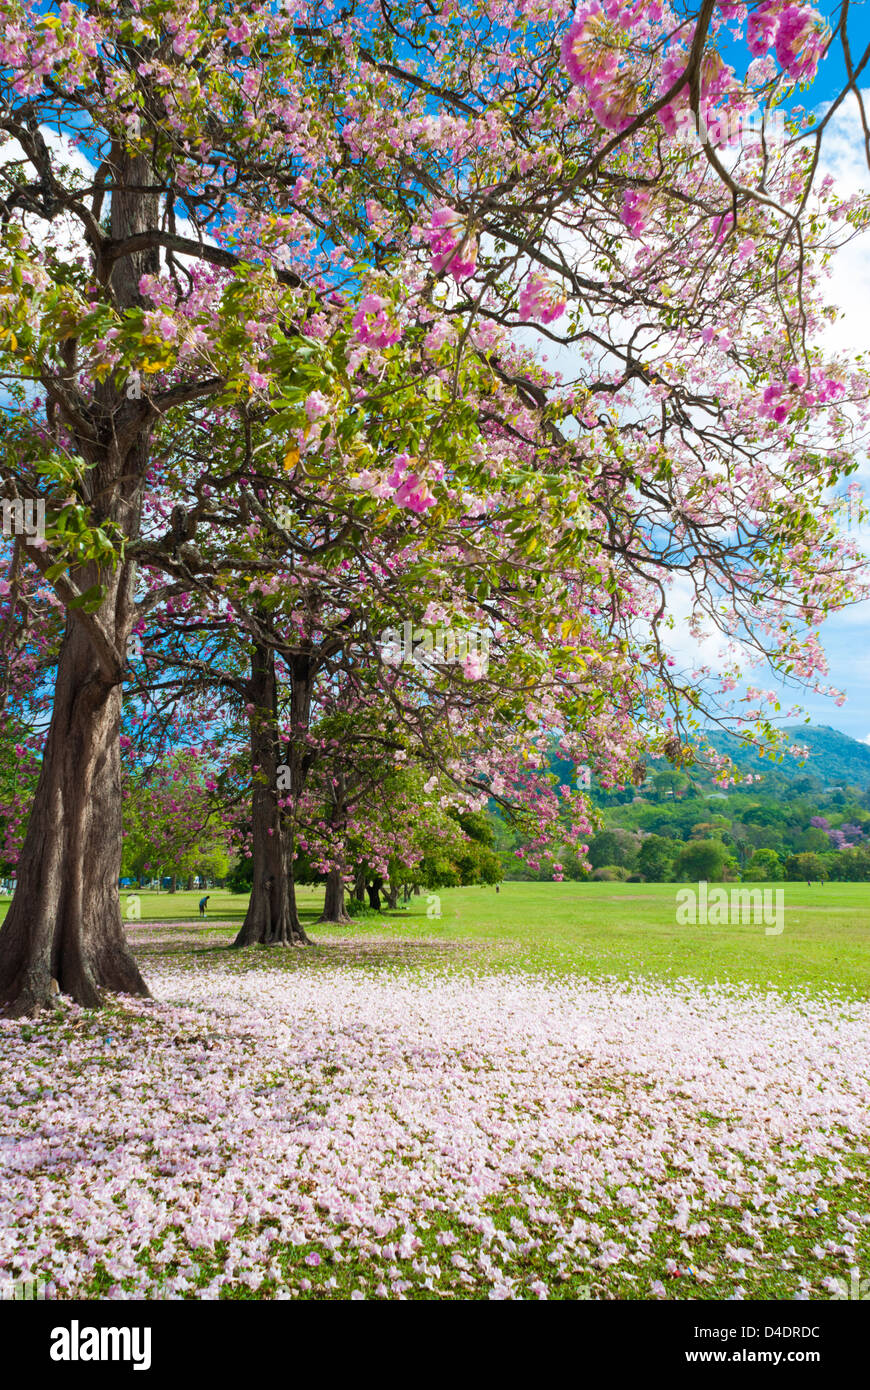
(835, 759)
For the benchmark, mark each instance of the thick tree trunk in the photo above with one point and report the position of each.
(333, 904)
(392, 896)
(64, 923)
(289, 860)
(271, 918)
(374, 891)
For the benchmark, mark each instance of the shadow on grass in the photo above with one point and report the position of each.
(340, 946)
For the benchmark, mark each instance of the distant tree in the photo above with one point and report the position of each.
(851, 866)
(812, 841)
(710, 829)
(656, 858)
(703, 859)
(764, 837)
(767, 814)
(810, 867)
(763, 867)
(241, 875)
(612, 847)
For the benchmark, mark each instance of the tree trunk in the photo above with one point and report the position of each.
(300, 757)
(359, 886)
(289, 863)
(65, 923)
(392, 896)
(374, 891)
(271, 918)
(333, 905)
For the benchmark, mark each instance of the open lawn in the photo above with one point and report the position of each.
(620, 929)
(553, 1091)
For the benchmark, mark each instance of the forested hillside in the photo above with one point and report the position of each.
(804, 819)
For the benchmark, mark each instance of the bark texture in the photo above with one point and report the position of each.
(271, 918)
(64, 930)
(65, 921)
(333, 903)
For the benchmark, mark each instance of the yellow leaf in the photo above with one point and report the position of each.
(291, 458)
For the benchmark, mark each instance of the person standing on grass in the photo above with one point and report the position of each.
(202, 903)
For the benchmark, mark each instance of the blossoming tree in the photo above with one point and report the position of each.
(287, 211)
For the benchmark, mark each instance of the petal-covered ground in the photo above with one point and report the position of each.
(271, 1132)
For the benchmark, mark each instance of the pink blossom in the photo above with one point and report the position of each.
(799, 41)
(372, 323)
(316, 405)
(761, 28)
(635, 206)
(540, 299)
(454, 248)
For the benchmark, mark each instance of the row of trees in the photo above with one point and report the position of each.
(277, 286)
(668, 861)
(660, 860)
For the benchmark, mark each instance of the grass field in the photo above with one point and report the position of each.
(553, 1091)
(619, 929)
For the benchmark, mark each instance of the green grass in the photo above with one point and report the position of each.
(619, 929)
(629, 928)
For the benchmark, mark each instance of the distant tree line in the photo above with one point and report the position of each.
(672, 831)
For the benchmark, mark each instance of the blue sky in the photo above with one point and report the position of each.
(846, 636)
